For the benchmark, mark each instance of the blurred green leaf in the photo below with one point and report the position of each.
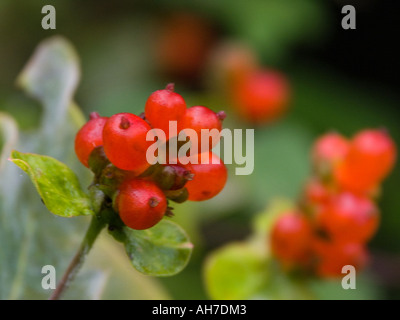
(57, 184)
(162, 250)
(235, 272)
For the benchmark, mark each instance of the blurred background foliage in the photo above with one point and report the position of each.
(341, 80)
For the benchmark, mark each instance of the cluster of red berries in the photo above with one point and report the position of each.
(337, 214)
(115, 150)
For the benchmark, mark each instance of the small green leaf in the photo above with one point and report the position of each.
(163, 250)
(57, 185)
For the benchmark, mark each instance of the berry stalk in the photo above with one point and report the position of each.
(77, 261)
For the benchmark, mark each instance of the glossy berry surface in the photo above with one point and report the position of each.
(141, 204)
(208, 179)
(261, 96)
(291, 237)
(370, 159)
(349, 217)
(124, 142)
(89, 137)
(200, 117)
(164, 106)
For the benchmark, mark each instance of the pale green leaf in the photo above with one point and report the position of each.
(57, 185)
(162, 250)
(236, 271)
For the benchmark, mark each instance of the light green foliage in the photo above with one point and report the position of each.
(57, 184)
(162, 250)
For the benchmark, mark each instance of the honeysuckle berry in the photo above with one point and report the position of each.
(198, 118)
(370, 159)
(316, 192)
(208, 179)
(261, 96)
(349, 217)
(124, 142)
(164, 106)
(291, 237)
(333, 256)
(328, 151)
(140, 203)
(89, 137)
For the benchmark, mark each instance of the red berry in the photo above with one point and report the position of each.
(141, 204)
(330, 148)
(333, 256)
(89, 137)
(183, 45)
(349, 217)
(164, 106)
(208, 179)
(291, 237)
(124, 142)
(371, 157)
(316, 192)
(261, 96)
(198, 118)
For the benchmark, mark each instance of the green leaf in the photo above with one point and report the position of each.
(57, 185)
(163, 250)
(236, 271)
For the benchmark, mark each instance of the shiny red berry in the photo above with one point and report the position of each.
(291, 237)
(141, 204)
(124, 142)
(261, 96)
(198, 118)
(89, 137)
(207, 179)
(164, 106)
(349, 217)
(371, 157)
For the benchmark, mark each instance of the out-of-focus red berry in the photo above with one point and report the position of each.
(233, 61)
(349, 217)
(89, 137)
(261, 96)
(370, 159)
(316, 192)
(291, 237)
(183, 45)
(333, 256)
(330, 148)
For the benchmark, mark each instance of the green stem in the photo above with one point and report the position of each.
(76, 263)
